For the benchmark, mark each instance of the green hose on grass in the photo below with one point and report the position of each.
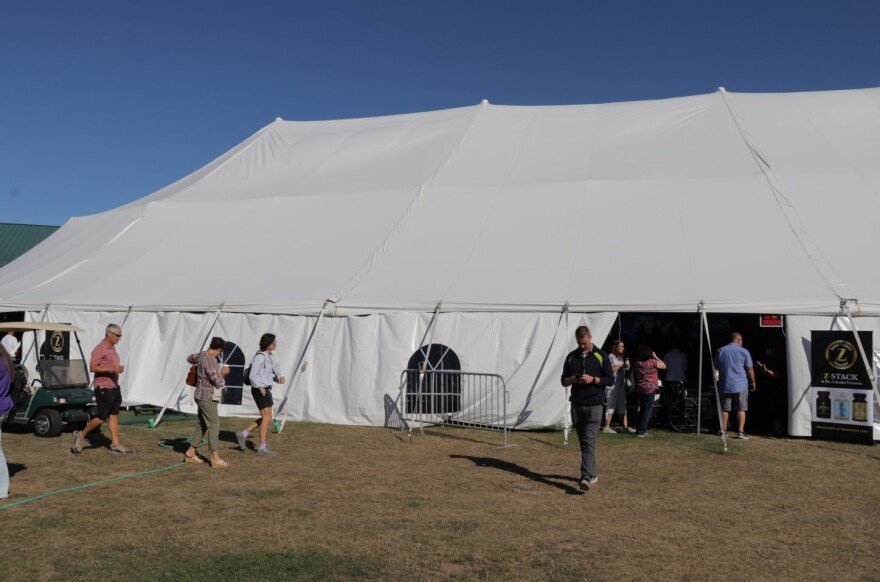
(78, 487)
(164, 443)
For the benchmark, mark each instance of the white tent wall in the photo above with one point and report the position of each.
(798, 341)
(354, 362)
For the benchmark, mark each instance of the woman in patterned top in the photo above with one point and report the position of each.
(647, 383)
(209, 385)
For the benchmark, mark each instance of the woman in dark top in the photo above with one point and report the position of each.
(645, 368)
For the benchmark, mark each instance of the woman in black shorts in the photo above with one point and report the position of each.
(264, 371)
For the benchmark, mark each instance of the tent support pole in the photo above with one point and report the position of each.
(153, 422)
(127, 313)
(566, 411)
(714, 381)
(700, 371)
(423, 369)
(522, 415)
(301, 366)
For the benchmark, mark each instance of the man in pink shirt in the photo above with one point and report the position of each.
(105, 365)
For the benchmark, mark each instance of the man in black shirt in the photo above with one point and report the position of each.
(588, 371)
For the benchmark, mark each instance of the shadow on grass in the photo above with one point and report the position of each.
(96, 440)
(551, 480)
(181, 444)
(458, 437)
(15, 468)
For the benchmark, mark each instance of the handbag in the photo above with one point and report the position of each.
(628, 386)
(192, 375)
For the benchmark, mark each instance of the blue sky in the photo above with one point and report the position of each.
(103, 102)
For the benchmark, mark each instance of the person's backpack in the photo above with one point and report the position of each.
(246, 378)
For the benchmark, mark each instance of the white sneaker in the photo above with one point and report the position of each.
(609, 430)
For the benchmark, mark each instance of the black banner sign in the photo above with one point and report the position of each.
(841, 394)
(836, 361)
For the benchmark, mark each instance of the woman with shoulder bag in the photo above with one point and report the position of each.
(264, 371)
(209, 386)
(615, 395)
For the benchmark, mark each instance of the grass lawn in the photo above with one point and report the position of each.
(348, 503)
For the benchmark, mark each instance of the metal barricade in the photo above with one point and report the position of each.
(454, 398)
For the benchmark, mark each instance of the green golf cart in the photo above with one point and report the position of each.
(60, 393)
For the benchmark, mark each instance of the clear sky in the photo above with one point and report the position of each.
(105, 101)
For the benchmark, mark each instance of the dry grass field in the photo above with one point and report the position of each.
(343, 503)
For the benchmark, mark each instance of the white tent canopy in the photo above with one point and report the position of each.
(749, 203)
(743, 203)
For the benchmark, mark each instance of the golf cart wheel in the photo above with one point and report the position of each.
(47, 423)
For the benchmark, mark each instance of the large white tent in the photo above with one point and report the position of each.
(514, 224)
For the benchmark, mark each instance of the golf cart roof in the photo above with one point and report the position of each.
(38, 326)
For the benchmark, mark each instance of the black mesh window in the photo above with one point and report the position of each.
(432, 392)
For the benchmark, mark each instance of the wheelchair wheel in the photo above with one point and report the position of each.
(682, 415)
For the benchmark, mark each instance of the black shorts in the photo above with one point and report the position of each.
(262, 401)
(109, 400)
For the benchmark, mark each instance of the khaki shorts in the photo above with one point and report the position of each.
(738, 401)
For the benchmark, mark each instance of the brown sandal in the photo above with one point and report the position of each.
(192, 459)
(219, 464)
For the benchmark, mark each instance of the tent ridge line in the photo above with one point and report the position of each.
(194, 177)
(789, 211)
(410, 211)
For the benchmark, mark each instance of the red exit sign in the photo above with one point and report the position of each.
(771, 321)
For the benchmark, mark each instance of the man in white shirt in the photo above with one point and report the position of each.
(11, 343)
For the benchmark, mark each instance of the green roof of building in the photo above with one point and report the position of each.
(17, 239)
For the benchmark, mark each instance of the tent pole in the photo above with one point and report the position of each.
(700, 372)
(714, 381)
(566, 410)
(869, 362)
(521, 416)
(127, 313)
(153, 422)
(423, 369)
(300, 367)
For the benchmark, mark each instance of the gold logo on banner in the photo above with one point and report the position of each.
(841, 355)
(56, 342)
